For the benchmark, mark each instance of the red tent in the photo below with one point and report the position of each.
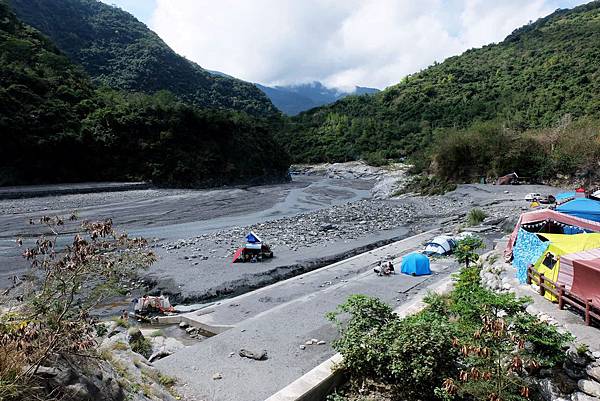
(586, 280)
(237, 254)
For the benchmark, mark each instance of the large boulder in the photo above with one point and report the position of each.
(593, 371)
(589, 387)
(555, 388)
(579, 396)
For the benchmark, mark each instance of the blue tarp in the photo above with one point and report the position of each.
(415, 264)
(527, 250)
(583, 208)
(564, 195)
(252, 238)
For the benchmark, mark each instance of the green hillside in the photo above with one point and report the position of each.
(537, 75)
(119, 51)
(56, 126)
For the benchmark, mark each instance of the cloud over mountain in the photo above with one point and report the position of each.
(341, 43)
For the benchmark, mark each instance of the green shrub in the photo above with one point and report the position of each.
(473, 344)
(412, 354)
(428, 185)
(142, 346)
(121, 322)
(466, 249)
(475, 217)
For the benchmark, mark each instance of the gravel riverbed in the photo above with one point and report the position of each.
(325, 214)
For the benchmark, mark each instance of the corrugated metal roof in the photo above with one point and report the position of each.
(565, 274)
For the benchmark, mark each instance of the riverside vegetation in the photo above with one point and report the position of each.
(472, 344)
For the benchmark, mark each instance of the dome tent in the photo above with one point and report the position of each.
(440, 245)
(415, 264)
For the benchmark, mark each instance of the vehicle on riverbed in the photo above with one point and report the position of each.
(253, 251)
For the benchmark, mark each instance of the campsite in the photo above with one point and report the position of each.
(285, 200)
(561, 248)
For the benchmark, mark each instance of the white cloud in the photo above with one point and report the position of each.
(339, 42)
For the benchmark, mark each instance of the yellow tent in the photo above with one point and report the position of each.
(562, 244)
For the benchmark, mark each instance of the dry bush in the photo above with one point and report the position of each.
(53, 319)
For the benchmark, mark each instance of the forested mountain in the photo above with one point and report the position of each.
(294, 99)
(56, 126)
(539, 74)
(119, 51)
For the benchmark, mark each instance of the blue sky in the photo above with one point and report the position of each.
(339, 42)
(142, 9)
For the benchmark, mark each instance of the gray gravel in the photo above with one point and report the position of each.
(310, 222)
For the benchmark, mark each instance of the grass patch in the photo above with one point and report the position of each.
(142, 346)
(475, 217)
(120, 346)
(157, 333)
(121, 322)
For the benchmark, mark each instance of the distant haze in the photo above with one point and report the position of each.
(342, 43)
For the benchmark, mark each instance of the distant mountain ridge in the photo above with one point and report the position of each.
(121, 52)
(294, 99)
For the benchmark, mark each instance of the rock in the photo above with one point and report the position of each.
(596, 354)
(309, 342)
(576, 358)
(79, 392)
(302, 346)
(321, 342)
(573, 371)
(579, 396)
(184, 325)
(589, 387)
(217, 376)
(549, 390)
(134, 334)
(593, 372)
(257, 356)
(159, 355)
(191, 330)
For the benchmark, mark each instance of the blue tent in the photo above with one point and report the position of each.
(583, 208)
(415, 264)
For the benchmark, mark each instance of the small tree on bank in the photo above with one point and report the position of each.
(466, 250)
(53, 320)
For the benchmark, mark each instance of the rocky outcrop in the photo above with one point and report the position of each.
(388, 179)
(81, 379)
